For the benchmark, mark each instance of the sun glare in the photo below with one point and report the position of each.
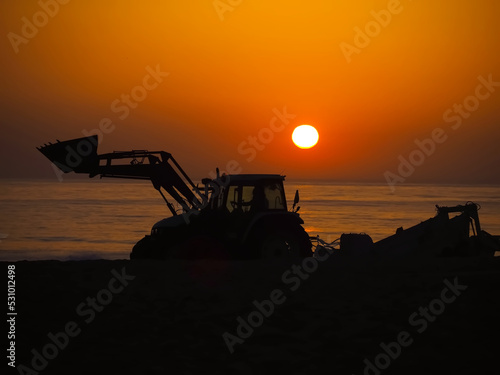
(305, 136)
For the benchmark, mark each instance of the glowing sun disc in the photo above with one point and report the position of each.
(305, 136)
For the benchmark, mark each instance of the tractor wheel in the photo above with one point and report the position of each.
(150, 248)
(142, 249)
(285, 243)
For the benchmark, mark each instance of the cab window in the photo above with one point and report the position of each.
(275, 197)
(239, 198)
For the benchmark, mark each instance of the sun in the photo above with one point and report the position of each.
(305, 136)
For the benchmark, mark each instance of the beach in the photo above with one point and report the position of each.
(334, 315)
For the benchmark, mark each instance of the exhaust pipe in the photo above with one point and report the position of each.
(77, 155)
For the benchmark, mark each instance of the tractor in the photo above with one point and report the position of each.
(241, 216)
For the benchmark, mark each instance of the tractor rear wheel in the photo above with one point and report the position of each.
(285, 243)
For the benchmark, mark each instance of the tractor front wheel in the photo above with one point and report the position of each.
(142, 249)
(150, 248)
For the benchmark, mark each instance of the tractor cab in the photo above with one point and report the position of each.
(252, 194)
(249, 211)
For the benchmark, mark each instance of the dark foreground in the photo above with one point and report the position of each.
(338, 316)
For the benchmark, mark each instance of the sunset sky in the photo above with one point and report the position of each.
(197, 78)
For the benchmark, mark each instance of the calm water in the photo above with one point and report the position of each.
(104, 219)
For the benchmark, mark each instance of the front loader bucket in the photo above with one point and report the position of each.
(77, 155)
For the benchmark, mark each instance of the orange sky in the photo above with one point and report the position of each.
(232, 68)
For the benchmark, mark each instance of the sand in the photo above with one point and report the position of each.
(170, 317)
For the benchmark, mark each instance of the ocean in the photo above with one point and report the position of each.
(103, 219)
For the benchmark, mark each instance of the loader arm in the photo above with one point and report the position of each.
(80, 156)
